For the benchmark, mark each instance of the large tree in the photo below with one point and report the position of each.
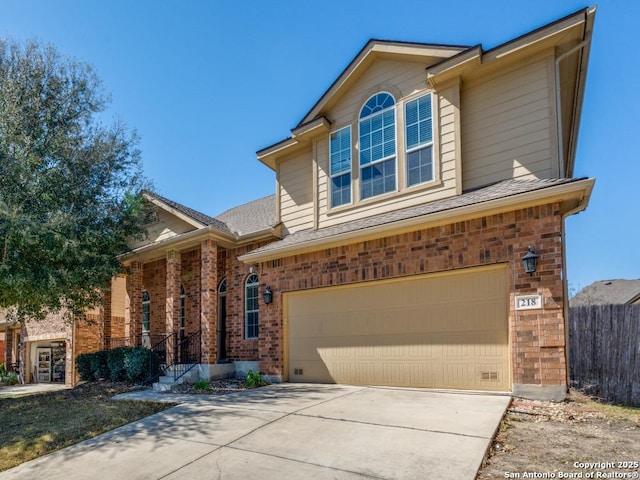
(70, 186)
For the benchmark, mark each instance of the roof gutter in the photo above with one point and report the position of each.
(226, 240)
(178, 240)
(579, 95)
(579, 190)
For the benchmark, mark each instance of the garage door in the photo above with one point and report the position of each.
(438, 331)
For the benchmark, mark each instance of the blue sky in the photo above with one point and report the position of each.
(208, 83)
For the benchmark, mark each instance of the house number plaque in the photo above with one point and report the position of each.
(528, 302)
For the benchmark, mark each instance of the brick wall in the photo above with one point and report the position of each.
(154, 281)
(538, 352)
(237, 272)
(190, 276)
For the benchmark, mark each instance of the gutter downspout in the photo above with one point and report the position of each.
(579, 46)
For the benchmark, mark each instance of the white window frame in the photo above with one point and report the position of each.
(383, 159)
(419, 146)
(342, 173)
(250, 283)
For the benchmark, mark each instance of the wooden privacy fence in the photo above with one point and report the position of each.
(604, 351)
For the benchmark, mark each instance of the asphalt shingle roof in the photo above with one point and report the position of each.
(251, 217)
(191, 213)
(493, 192)
(607, 292)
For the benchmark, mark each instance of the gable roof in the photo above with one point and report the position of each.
(255, 217)
(376, 48)
(445, 62)
(575, 192)
(184, 211)
(608, 292)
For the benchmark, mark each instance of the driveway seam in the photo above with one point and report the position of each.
(385, 425)
(305, 463)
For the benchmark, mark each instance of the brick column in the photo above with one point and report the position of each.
(133, 314)
(172, 299)
(208, 300)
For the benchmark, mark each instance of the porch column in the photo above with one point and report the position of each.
(172, 302)
(208, 300)
(133, 314)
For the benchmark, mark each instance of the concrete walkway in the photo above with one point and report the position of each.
(30, 389)
(290, 431)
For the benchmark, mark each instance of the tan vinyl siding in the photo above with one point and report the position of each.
(506, 127)
(398, 78)
(296, 192)
(404, 81)
(167, 226)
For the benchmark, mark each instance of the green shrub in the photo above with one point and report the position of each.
(136, 364)
(115, 362)
(8, 378)
(202, 386)
(99, 364)
(119, 364)
(254, 380)
(83, 365)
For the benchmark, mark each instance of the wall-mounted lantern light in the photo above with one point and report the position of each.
(530, 261)
(267, 295)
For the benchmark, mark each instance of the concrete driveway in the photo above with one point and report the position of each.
(290, 431)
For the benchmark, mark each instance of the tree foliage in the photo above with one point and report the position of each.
(70, 187)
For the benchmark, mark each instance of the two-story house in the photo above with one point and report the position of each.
(392, 250)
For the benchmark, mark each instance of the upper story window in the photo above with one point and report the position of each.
(419, 140)
(340, 166)
(251, 307)
(377, 124)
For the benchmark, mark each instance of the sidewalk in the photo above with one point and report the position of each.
(30, 389)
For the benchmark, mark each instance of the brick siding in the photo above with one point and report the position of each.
(538, 336)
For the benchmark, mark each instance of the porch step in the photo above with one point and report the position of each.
(165, 382)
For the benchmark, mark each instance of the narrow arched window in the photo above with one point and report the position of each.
(222, 288)
(251, 307)
(146, 313)
(183, 312)
(377, 135)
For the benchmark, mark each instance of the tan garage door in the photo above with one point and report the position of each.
(439, 331)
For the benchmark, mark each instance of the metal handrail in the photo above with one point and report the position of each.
(189, 355)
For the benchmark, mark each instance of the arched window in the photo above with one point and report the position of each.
(146, 318)
(222, 288)
(377, 134)
(251, 306)
(183, 312)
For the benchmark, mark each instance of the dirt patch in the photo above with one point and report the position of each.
(578, 438)
(215, 387)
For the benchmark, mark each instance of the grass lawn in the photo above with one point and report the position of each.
(34, 425)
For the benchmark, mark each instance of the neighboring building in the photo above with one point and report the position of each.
(608, 292)
(45, 351)
(392, 248)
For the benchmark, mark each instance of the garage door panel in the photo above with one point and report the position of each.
(442, 331)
